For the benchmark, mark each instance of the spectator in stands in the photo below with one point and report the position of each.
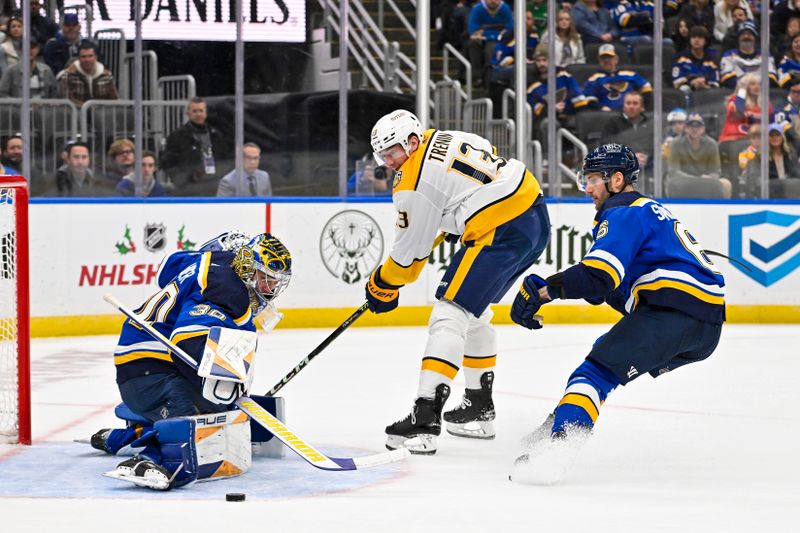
(5, 170)
(11, 49)
(502, 71)
(635, 20)
(789, 66)
(606, 89)
(743, 109)
(42, 28)
(539, 10)
(724, 17)
(486, 20)
(43, 82)
(680, 37)
(62, 49)
(149, 187)
(254, 182)
(570, 98)
(698, 13)
(369, 179)
(780, 13)
(594, 22)
(696, 155)
(696, 68)
(87, 78)
(788, 115)
(121, 161)
(731, 38)
(569, 46)
(752, 149)
(195, 153)
(455, 23)
(633, 128)
(75, 177)
(746, 58)
(676, 124)
(12, 154)
(782, 161)
(781, 44)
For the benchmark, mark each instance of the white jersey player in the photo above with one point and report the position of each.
(454, 182)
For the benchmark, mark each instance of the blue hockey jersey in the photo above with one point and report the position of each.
(687, 67)
(604, 89)
(506, 45)
(567, 91)
(644, 255)
(198, 290)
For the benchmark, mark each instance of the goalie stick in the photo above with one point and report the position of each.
(324, 344)
(265, 419)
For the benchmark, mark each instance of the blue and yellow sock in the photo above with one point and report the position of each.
(586, 391)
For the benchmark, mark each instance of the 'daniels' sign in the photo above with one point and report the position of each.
(204, 20)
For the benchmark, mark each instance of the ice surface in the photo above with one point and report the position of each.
(711, 447)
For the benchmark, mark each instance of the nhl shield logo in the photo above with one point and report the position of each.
(767, 243)
(155, 237)
(351, 246)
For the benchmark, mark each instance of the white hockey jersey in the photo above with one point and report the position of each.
(455, 183)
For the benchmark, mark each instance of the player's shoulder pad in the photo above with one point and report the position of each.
(224, 288)
(174, 264)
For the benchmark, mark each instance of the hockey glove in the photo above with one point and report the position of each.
(527, 303)
(381, 297)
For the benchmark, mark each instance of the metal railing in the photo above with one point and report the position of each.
(104, 121)
(149, 76)
(450, 50)
(447, 105)
(53, 124)
(180, 87)
(369, 48)
(111, 46)
(562, 134)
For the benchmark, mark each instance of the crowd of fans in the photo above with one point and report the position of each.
(710, 46)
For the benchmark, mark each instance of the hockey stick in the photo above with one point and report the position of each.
(324, 344)
(265, 419)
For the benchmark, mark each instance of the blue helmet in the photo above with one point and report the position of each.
(606, 160)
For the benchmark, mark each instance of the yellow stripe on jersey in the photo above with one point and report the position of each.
(679, 286)
(466, 264)
(202, 276)
(396, 274)
(411, 170)
(605, 267)
(180, 337)
(583, 402)
(640, 202)
(141, 354)
(245, 318)
(480, 362)
(498, 213)
(440, 367)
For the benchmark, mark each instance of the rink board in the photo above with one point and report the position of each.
(81, 250)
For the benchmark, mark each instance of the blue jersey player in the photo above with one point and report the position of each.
(224, 285)
(645, 264)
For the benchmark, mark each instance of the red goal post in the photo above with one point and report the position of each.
(15, 396)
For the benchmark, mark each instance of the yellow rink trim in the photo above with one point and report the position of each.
(61, 326)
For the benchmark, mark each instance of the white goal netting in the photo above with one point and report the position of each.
(9, 397)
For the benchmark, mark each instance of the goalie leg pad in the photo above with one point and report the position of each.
(212, 446)
(264, 443)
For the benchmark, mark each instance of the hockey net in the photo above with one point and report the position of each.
(14, 312)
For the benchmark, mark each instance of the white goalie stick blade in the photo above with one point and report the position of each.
(150, 483)
(307, 452)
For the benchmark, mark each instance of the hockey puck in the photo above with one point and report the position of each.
(234, 497)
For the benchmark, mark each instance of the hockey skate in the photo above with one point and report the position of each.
(116, 441)
(548, 460)
(142, 472)
(540, 433)
(473, 418)
(417, 432)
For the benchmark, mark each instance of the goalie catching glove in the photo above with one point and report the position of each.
(381, 297)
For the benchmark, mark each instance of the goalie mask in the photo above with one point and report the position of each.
(265, 266)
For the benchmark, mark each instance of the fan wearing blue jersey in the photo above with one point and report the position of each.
(223, 286)
(645, 264)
